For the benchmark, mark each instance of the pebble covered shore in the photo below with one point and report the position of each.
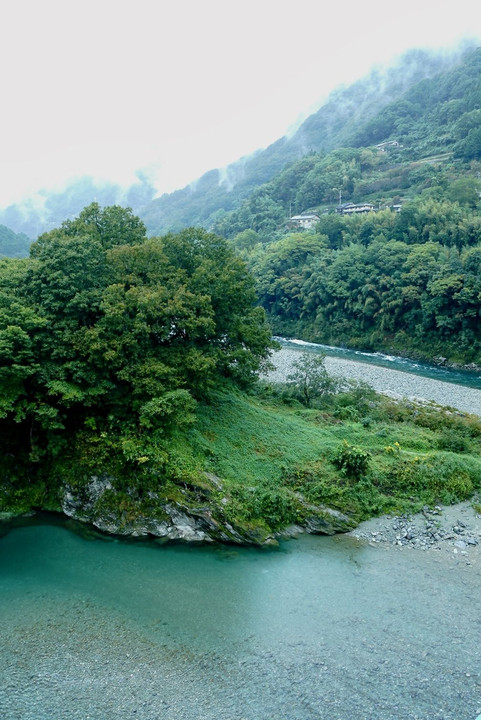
(453, 531)
(385, 380)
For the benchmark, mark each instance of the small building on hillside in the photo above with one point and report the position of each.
(305, 221)
(355, 208)
(388, 145)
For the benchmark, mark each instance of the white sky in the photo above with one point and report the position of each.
(104, 87)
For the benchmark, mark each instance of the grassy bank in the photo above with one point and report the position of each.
(263, 461)
(358, 452)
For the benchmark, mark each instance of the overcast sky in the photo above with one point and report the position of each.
(104, 87)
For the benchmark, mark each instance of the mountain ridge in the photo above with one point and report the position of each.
(221, 190)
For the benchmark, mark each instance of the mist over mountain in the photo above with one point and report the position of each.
(425, 141)
(340, 121)
(337, 123)
(48, 209)
(386, 253)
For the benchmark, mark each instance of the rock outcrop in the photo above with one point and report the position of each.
(199, 517)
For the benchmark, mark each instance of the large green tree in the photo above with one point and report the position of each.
(106, 333)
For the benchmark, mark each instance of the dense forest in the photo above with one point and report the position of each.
(405, 276)
(108, 340)
(407, 281)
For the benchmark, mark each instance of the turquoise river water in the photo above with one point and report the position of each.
(318, 629)
(457, 376)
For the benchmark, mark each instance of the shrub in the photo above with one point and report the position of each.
(276, 507)
(454, 442)
(351, 460)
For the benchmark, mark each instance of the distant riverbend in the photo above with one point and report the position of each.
(389, 380)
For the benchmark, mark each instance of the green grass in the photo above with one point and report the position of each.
(260, 462)
(248, 441)
(259, 443)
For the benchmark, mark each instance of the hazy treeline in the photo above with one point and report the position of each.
(13, 244)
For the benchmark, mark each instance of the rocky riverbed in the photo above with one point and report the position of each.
(394, 383)
(322, 629)
(453, 530)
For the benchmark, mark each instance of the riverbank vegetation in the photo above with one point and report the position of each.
(135, 361)
(354, 451)
(408, 282)
(263, 461)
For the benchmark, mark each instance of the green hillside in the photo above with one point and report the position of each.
(332, 126)
(13, 244)
(204, 202)
(403, 277)
(129, 393)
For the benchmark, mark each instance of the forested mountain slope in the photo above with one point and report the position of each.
(13, 244)
(338, 122)
(427, 140)
(334, 125)
(404, 277)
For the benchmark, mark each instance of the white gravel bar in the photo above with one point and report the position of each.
(395, 383)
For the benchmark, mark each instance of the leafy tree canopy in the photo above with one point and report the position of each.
(104, 330)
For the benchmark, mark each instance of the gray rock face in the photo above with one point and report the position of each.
(80, 504)
(100, 504)
(87, 505)
(326, 521)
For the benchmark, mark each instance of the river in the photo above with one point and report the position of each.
(319, 629)
(93, 628)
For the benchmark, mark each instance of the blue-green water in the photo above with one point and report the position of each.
(436, 372)
(320, 629)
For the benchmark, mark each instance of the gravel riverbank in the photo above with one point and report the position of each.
(453, 531)
(390, 382)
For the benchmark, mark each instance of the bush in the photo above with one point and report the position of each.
(352, 461)
(276, 507)
(454, 442)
